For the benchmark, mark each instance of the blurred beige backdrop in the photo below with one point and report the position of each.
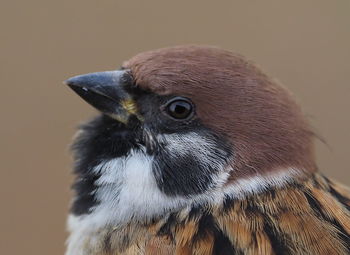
(305, 44)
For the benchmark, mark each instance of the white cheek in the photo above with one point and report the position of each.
(196, 145)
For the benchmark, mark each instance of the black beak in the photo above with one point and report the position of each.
(105, 91)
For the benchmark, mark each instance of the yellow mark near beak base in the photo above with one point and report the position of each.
(130, 107)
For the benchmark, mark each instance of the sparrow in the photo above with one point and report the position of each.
(197, 151)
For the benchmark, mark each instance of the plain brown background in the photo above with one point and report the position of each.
(305, 44)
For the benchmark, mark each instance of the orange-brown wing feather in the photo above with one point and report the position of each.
(309, 217)
(306, 217)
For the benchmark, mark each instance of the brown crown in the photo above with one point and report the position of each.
(235, 99)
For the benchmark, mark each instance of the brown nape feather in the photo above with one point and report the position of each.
(309, 217)
(236, 99)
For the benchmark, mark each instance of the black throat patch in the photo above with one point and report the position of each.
(190, 167)
(99, 140)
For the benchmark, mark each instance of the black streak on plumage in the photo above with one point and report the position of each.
(317, 208)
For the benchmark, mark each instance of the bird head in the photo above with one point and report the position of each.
(206, 118)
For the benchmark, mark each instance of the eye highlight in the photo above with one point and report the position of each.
(179, 108)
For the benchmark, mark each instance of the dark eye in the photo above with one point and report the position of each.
(179, 108)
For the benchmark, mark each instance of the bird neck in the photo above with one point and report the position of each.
(289, 220)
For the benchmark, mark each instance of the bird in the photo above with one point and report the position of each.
(196, 150)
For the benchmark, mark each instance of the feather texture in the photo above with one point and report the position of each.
(305, 217)
(236, 176)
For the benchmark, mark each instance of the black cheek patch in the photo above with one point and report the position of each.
(184, 174)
